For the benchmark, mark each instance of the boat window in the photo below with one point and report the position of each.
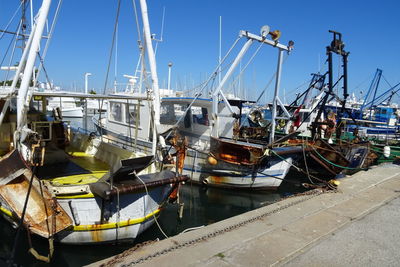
(133, 115)
(171, 113)
(200, 115)
(116, 112)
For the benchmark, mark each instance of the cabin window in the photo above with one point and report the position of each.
(132, 115)
(116, 112)
(200, 116)
(171, 113)
(383, 111)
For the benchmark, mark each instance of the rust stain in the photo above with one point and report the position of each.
(217, 179)
(42, 212)
(96, 233)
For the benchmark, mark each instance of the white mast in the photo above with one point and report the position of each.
(153, 70)
(17, 74)
(220, 49)
(169, 76)
(23, 99)
(87, 74)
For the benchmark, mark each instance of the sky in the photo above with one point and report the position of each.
(83, 35)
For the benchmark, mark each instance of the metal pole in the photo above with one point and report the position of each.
(220, 48)
(275, 100)
(169, 75)
(87, 74)
(23, 91)
(153, 70)
(85, 118)
(217, 91)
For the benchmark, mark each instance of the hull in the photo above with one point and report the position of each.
(74, 203)
(267, 178)
(136, 215)
(198, 169)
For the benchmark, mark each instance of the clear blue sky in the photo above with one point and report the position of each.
(191, 32)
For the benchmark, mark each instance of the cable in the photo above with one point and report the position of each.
(12, 18)
(334, 164)
(11, 57)
(154, 215)
(137, 20)
(21, 222)
(50, 35)
(248, 63)
(305, 162)
(110, 57)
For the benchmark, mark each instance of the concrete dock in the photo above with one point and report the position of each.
(358, 225)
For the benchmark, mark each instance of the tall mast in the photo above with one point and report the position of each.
(22, 101)
(153, 70)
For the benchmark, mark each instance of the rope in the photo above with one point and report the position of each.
(12, 18)
(154, 215)
(110, 57)
(247, 64)
(21, 222)
(381, 151)
(118, 214)
(50, 35)
(212, 76)
(334, 164)
(305, 163)
(9, 45)
(302, 171)
(137, 20)
(11, 57)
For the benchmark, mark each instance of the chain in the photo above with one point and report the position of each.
(310, 194)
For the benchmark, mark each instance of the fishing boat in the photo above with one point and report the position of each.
(69, 186)
(312, 131)
(209, 125)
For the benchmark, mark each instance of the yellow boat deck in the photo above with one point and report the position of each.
(79, 169)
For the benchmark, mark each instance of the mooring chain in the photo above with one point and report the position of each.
(310, 194)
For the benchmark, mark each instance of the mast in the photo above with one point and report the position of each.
(23, 100)
(19, 70)
(276, 97)
(153, 70)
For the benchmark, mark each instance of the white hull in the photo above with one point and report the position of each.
(199, 171)
(269, 178)
(132, 220)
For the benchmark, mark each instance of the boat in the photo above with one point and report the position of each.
(71, 186)
(208, 123)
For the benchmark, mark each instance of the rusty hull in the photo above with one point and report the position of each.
(239, 153)
(44, 216)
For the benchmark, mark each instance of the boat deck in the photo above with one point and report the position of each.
(77, 168)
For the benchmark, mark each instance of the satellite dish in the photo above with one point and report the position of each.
(264, 31)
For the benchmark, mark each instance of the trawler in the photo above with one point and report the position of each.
(207, 123)
(71, 186)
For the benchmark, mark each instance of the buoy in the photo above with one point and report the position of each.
(330, 141)
(334, 182)
(212, 160)
(386, 151)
